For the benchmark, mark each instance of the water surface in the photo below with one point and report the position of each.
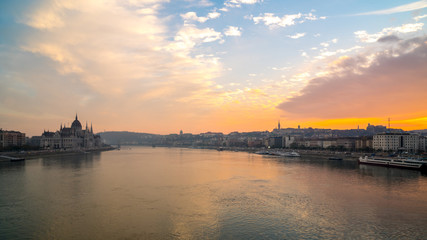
(172, 193)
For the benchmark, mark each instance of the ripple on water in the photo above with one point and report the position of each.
(161, 193)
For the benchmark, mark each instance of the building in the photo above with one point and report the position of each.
(275, 142)
(371, 129)
(329, 143)
(397, 142)
(313, 143)
(364, 143)
(423, 143)
(11, 139)
(347, 143)
(254, 142)
(288, 141)
(73, 137)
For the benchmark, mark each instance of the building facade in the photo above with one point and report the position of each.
(364, 143)
(11, 139)
(73, 137)
(398, 142)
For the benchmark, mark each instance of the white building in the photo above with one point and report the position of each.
(71, 138)
(423, 143)
(396, 141)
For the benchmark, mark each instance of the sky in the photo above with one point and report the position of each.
(161, 66)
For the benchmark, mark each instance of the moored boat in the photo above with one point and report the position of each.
(262, 153)
(290, 154)
(279, 153)
(395, 162)
(12, 159)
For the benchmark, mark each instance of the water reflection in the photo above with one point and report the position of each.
(10, 166)
(389, 173)
(164, 193)
(75, 161)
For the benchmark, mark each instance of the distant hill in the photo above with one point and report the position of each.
(130, 138)
(422, 132)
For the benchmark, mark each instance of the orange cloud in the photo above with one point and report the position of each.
(393, 85)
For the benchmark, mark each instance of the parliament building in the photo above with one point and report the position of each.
(74, 137)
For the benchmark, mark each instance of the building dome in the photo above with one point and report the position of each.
(76, 124)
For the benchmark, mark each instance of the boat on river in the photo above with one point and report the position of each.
(263, 153)
(290, 154)
(12, 159)
(409, 163)
(279, 153)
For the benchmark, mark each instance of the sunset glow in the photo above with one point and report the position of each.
(161, 66)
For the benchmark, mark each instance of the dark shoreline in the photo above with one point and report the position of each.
(352, 156)
(27, 155)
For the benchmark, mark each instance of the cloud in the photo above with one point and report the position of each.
(273, 21)
(324, 44)
(232, 31)
(326, 53)
(363, 36)
(328, 43)
(192, 16)
(389, 38)
(199, 3)
(238, 3)
(190, 36)
(93, 56)
(296, 36)
(391, 83)
(213, 15)
(402, 8)
(418, 18)
(269, 19)
(205, 3)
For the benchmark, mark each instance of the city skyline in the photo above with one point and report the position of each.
(221, 66)
(273, 129)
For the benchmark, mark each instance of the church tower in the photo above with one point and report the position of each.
(278, 125)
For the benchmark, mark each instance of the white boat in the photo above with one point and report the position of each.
(12, 159)
(279, 153)
(262, 153)
(290, 154)
(395, 162)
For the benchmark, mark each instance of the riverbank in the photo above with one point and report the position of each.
(51, 153)
(352, 156)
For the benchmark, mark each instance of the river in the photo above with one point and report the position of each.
(174, 193)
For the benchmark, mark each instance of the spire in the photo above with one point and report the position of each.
(60, 127)
(76, 116)
(86, 126)
(91, 129)
(278, 125)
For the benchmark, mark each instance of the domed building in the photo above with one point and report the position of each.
(73, 137)
(76, 125)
